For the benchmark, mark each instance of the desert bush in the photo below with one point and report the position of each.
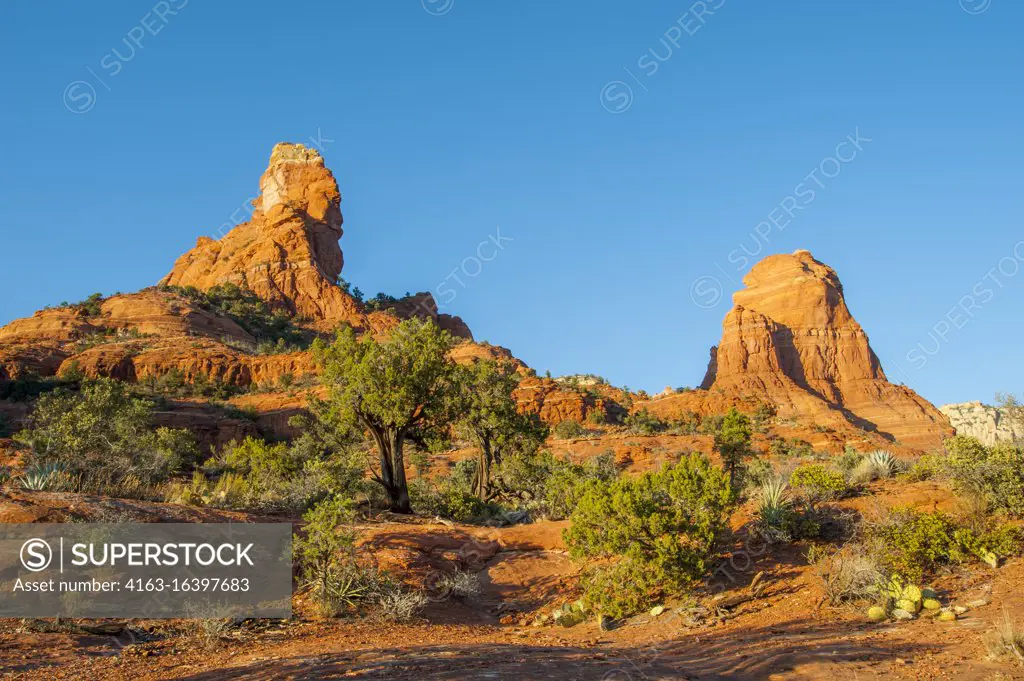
(995, 473)
(878, 465)
(569, 430)
(848, 460)
(458, 584)
(653, 535)
(793, 448)
(1006, 640)
(326, 556)
(644, 423)
(758, 472)
(263, 476)
(103, 430)
(927, 467)
(850, 573)
(815, 483)
(400, 605)
(249, 311)
(913, 543)
(452, 499)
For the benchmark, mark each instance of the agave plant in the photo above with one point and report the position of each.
(40, 477)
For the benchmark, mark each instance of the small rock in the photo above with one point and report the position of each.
(657, 610)
(900, 614)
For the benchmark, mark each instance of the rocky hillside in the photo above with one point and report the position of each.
(988, 424)
(240, 312)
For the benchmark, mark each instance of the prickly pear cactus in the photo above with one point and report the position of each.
(912, 593)
(931, 604)
(947, 616)
(907, 604)
(877, 613)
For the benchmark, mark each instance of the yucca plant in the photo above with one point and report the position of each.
(775, 510)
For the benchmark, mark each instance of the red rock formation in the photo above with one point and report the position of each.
(790, 340)
(288, 253)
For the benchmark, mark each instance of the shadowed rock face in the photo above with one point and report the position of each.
(791, 340)
(288, 253)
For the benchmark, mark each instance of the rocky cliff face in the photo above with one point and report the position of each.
(988, 424)
(791, 340)
(288, 253)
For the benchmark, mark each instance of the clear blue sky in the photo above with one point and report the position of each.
(451, 118)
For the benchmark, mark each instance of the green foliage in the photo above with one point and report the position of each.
(848, 460)
(326, 556)
(817, 483)
(994, 473)
(489, 416)
(913, 544)
(732, 442)
(645, 423)
(90, 307)
(46, 477)
(103, 430)
(347, 288)
(28, 388)
(405, 385)
(249, 311)
(653, 535)
(174, 383)
(380, 303)
(569, 430)
(792, 448)
(262, 476)
(927, 467)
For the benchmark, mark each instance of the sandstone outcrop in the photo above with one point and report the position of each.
(987, 423)
(791, 341)
(288, 252)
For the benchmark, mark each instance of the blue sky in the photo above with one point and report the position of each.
(629, 151)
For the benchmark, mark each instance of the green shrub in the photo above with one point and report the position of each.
(326, 556)
(644, 423)
(250, 312)
(848, 460)
(994, 473)
(653, 535)
(927, 467)
(104, 430)
(914, 543)
(90, 307)
(569, 430)
(817, 483)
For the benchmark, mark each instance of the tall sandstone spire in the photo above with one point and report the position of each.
(288, 252)
(791, 340)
